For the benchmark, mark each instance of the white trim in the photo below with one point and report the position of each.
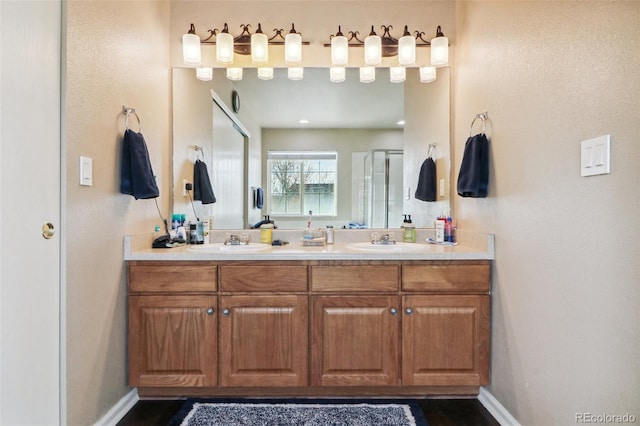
(496, 409)
(236, 121)
(118, 411)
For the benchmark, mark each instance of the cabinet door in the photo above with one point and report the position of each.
(172, 341)
(264, 340)
(445, 340)
(355, 340)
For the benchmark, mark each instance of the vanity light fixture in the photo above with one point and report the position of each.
(224, 46)
(427, 74)
(245, 43)
(295, 73)
(372, 49)
(439, 49)
(265, 73)
(293, 47)
(259, 47)
(406, 48)
(367, 74)
(339, 49)
(337, 74)
(385, 46)
(234, 73)
(204, 73)
(191, 53)
(397, 74)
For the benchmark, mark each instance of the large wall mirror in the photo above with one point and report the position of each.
(360, 164)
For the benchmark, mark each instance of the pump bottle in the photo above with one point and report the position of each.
(408, 230)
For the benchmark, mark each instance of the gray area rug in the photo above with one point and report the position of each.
(300, 413)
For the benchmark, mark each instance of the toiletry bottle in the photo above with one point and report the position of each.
(448, 230)
(329, 234)
(266, 233)
(440, 223)
(408, 230)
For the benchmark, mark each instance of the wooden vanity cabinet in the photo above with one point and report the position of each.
(313, 328)
(264, 326)
(172, 324)
(446, 324)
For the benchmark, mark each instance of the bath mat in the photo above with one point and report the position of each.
(301, 412)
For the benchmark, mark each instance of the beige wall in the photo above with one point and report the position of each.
(117, 54)
(566, 298)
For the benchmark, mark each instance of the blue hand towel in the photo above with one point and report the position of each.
(259, 198)
(426, 190)
(473, 180)
(136, 174)
(202, 189)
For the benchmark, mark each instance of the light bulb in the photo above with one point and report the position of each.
(427, 74)
(337, 74)
(234, 73)
(439, 49)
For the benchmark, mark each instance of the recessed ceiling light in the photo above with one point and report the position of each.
(303, 121)
(400, 123)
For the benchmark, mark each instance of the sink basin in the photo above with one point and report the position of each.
(222, 248)
(388, 248)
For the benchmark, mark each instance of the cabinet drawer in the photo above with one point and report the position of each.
(461, 277)
(354, 278)
(176, 277)
(263, 278)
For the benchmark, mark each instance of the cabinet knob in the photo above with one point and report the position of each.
(210, 311)
(408, 311)
(226, 312)
(393, 311)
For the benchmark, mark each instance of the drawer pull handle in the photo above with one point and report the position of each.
(226, 312)
(393, 311)
(408, 311)
(210, 311)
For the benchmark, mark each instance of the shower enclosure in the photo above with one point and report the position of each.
(383, 188)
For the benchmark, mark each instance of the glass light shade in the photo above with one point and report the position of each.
(224, 48)
(265, 73)
(191, 53)
(295, 73)
(339, 51)
(397, 74)
(293, 48)
(204, 73)
(367, 74)
(427, 74)
(440, 51)
(259, 48)
(407, 50)
(234, 73)
(337, 74)
(372, 50)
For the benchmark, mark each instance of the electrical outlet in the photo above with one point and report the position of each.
(184, 187)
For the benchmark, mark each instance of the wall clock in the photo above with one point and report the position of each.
(235, 101)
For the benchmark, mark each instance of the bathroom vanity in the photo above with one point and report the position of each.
(309, 321)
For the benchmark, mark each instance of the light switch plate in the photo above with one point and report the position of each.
(595, 156)
(86, 171)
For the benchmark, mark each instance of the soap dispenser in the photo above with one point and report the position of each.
(408, 230)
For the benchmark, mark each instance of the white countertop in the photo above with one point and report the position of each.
(471, 246)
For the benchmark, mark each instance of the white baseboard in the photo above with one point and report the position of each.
(118, 411)
(496, 409)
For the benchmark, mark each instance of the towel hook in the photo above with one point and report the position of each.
(484, 116)
(128, 111)
(201, 150)
(432, 147)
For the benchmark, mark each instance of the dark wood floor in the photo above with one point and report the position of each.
(438, 412)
